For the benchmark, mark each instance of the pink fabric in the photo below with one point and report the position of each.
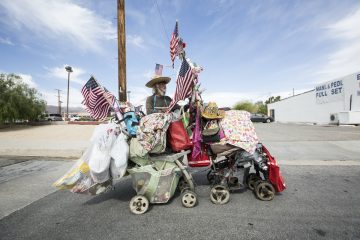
(196, 136)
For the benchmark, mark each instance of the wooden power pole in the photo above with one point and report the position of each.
(121, 50)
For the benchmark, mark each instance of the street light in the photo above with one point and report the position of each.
(69, 70)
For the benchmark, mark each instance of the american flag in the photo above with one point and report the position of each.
(184, 83)
(174, 43)
(158, 69)
(97, 100)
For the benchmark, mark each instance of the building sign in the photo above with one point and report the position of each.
(358, 77)
(329, 92)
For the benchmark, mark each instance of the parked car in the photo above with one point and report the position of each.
(75, 118)
(259, 117)
(53, 117)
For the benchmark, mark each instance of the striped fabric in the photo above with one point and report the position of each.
(174, 42)
(97, 100)
(184, 83)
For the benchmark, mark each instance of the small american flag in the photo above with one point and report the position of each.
(184, 83)
(158, 69)
(97, 100)
(174, 42)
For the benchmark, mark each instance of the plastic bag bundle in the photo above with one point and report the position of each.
(76, 173)
(119, 156)
(99, 161)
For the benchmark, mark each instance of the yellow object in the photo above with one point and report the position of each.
(69, 180)
(211, 111)
(157, 79)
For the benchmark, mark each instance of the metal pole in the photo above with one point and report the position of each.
(59, 101)
(67, 102)
(69, 70)
(121, 50)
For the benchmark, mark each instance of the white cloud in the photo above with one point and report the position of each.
(59, 20)
(345, 59)
(61, 73)
(28, 80)
(6, 41)
(135, 40)
(75, 97)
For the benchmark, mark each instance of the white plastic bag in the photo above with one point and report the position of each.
(119, 157)
(99, 160)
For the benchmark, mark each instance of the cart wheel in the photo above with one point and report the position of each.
(183, 184)
(219, 194)
(210, 176)
(188, 199)
(265, 191)
(251, 180)
(139, 204)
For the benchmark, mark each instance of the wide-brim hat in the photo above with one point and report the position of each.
(157, 79)
(211, 111)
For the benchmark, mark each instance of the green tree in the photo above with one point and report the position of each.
(261, 107)
(18, 101)
(246, 106)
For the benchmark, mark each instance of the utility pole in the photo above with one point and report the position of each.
(59, 101)
(69, 70)
(121, 50)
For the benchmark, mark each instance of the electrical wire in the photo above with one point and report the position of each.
(162, 21)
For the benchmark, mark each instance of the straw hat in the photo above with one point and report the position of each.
(211, 111)
(157, 79)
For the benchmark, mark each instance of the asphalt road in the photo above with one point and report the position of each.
(321, 167)
(319, 203)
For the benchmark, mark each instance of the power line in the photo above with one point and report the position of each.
(162, 21)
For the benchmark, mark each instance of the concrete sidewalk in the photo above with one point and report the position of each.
(290, 144)
(54, 141)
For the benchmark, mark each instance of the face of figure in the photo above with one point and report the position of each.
(160, 89)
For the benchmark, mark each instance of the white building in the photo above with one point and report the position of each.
(334, 102)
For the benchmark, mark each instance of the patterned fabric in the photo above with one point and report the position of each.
(151, 133)
(239, 130)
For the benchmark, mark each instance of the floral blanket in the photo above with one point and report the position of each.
(151, 133)
(239, 130)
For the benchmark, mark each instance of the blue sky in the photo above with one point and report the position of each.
(249, 49)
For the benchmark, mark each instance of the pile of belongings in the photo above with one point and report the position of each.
(106, 159)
